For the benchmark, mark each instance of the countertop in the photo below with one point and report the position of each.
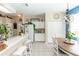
(13, 43)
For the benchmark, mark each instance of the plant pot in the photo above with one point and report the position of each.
(1, 41)
(5, 42)
(71, 42)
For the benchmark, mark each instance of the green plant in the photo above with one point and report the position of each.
(21, 32)
(4, 31)
(70, 35)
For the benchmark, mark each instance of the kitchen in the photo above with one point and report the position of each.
(32, 24)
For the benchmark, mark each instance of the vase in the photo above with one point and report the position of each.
(67, 41)
(5, 42)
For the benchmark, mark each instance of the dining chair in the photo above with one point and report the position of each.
(55, 47)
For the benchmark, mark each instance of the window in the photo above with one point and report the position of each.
(74, 25)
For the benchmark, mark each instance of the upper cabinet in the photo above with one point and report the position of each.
(39, 22)
(37, 19)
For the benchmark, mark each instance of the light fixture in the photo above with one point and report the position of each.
(19, 15)
(26, 4)
(67, 16)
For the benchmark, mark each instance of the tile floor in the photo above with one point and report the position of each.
(41, 49)
(38, 49)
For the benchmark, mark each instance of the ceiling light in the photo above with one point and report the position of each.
(19, 15)
(26, 4)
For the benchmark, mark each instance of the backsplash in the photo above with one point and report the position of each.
(40, 30)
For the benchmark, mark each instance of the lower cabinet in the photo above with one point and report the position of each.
(39, 36)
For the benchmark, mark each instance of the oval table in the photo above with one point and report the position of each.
(67, 48)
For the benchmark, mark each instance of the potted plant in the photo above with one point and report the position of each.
(70, 37)
(21, 33)
(3, 32)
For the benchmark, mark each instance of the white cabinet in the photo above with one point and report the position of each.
(12, 44)
(39, 28)
(39, 37)
(38, 24)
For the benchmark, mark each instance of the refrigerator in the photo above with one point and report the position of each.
(29, 29)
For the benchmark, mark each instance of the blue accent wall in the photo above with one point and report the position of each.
(74, 10)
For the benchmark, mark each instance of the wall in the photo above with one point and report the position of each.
(54, 25)
(11, 18)
(19, 20)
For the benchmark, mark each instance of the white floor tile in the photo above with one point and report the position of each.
(41, 49)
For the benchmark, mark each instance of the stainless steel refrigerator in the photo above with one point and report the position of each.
(29, 29)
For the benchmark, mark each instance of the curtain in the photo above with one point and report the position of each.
(67, 27)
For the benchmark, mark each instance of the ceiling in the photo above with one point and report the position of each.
(39, 8)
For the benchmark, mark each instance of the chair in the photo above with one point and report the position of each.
(55, 47)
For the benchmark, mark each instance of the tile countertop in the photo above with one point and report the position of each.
(12, 44)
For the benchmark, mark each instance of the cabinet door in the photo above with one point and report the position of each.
(39, 24)
(39, 37)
